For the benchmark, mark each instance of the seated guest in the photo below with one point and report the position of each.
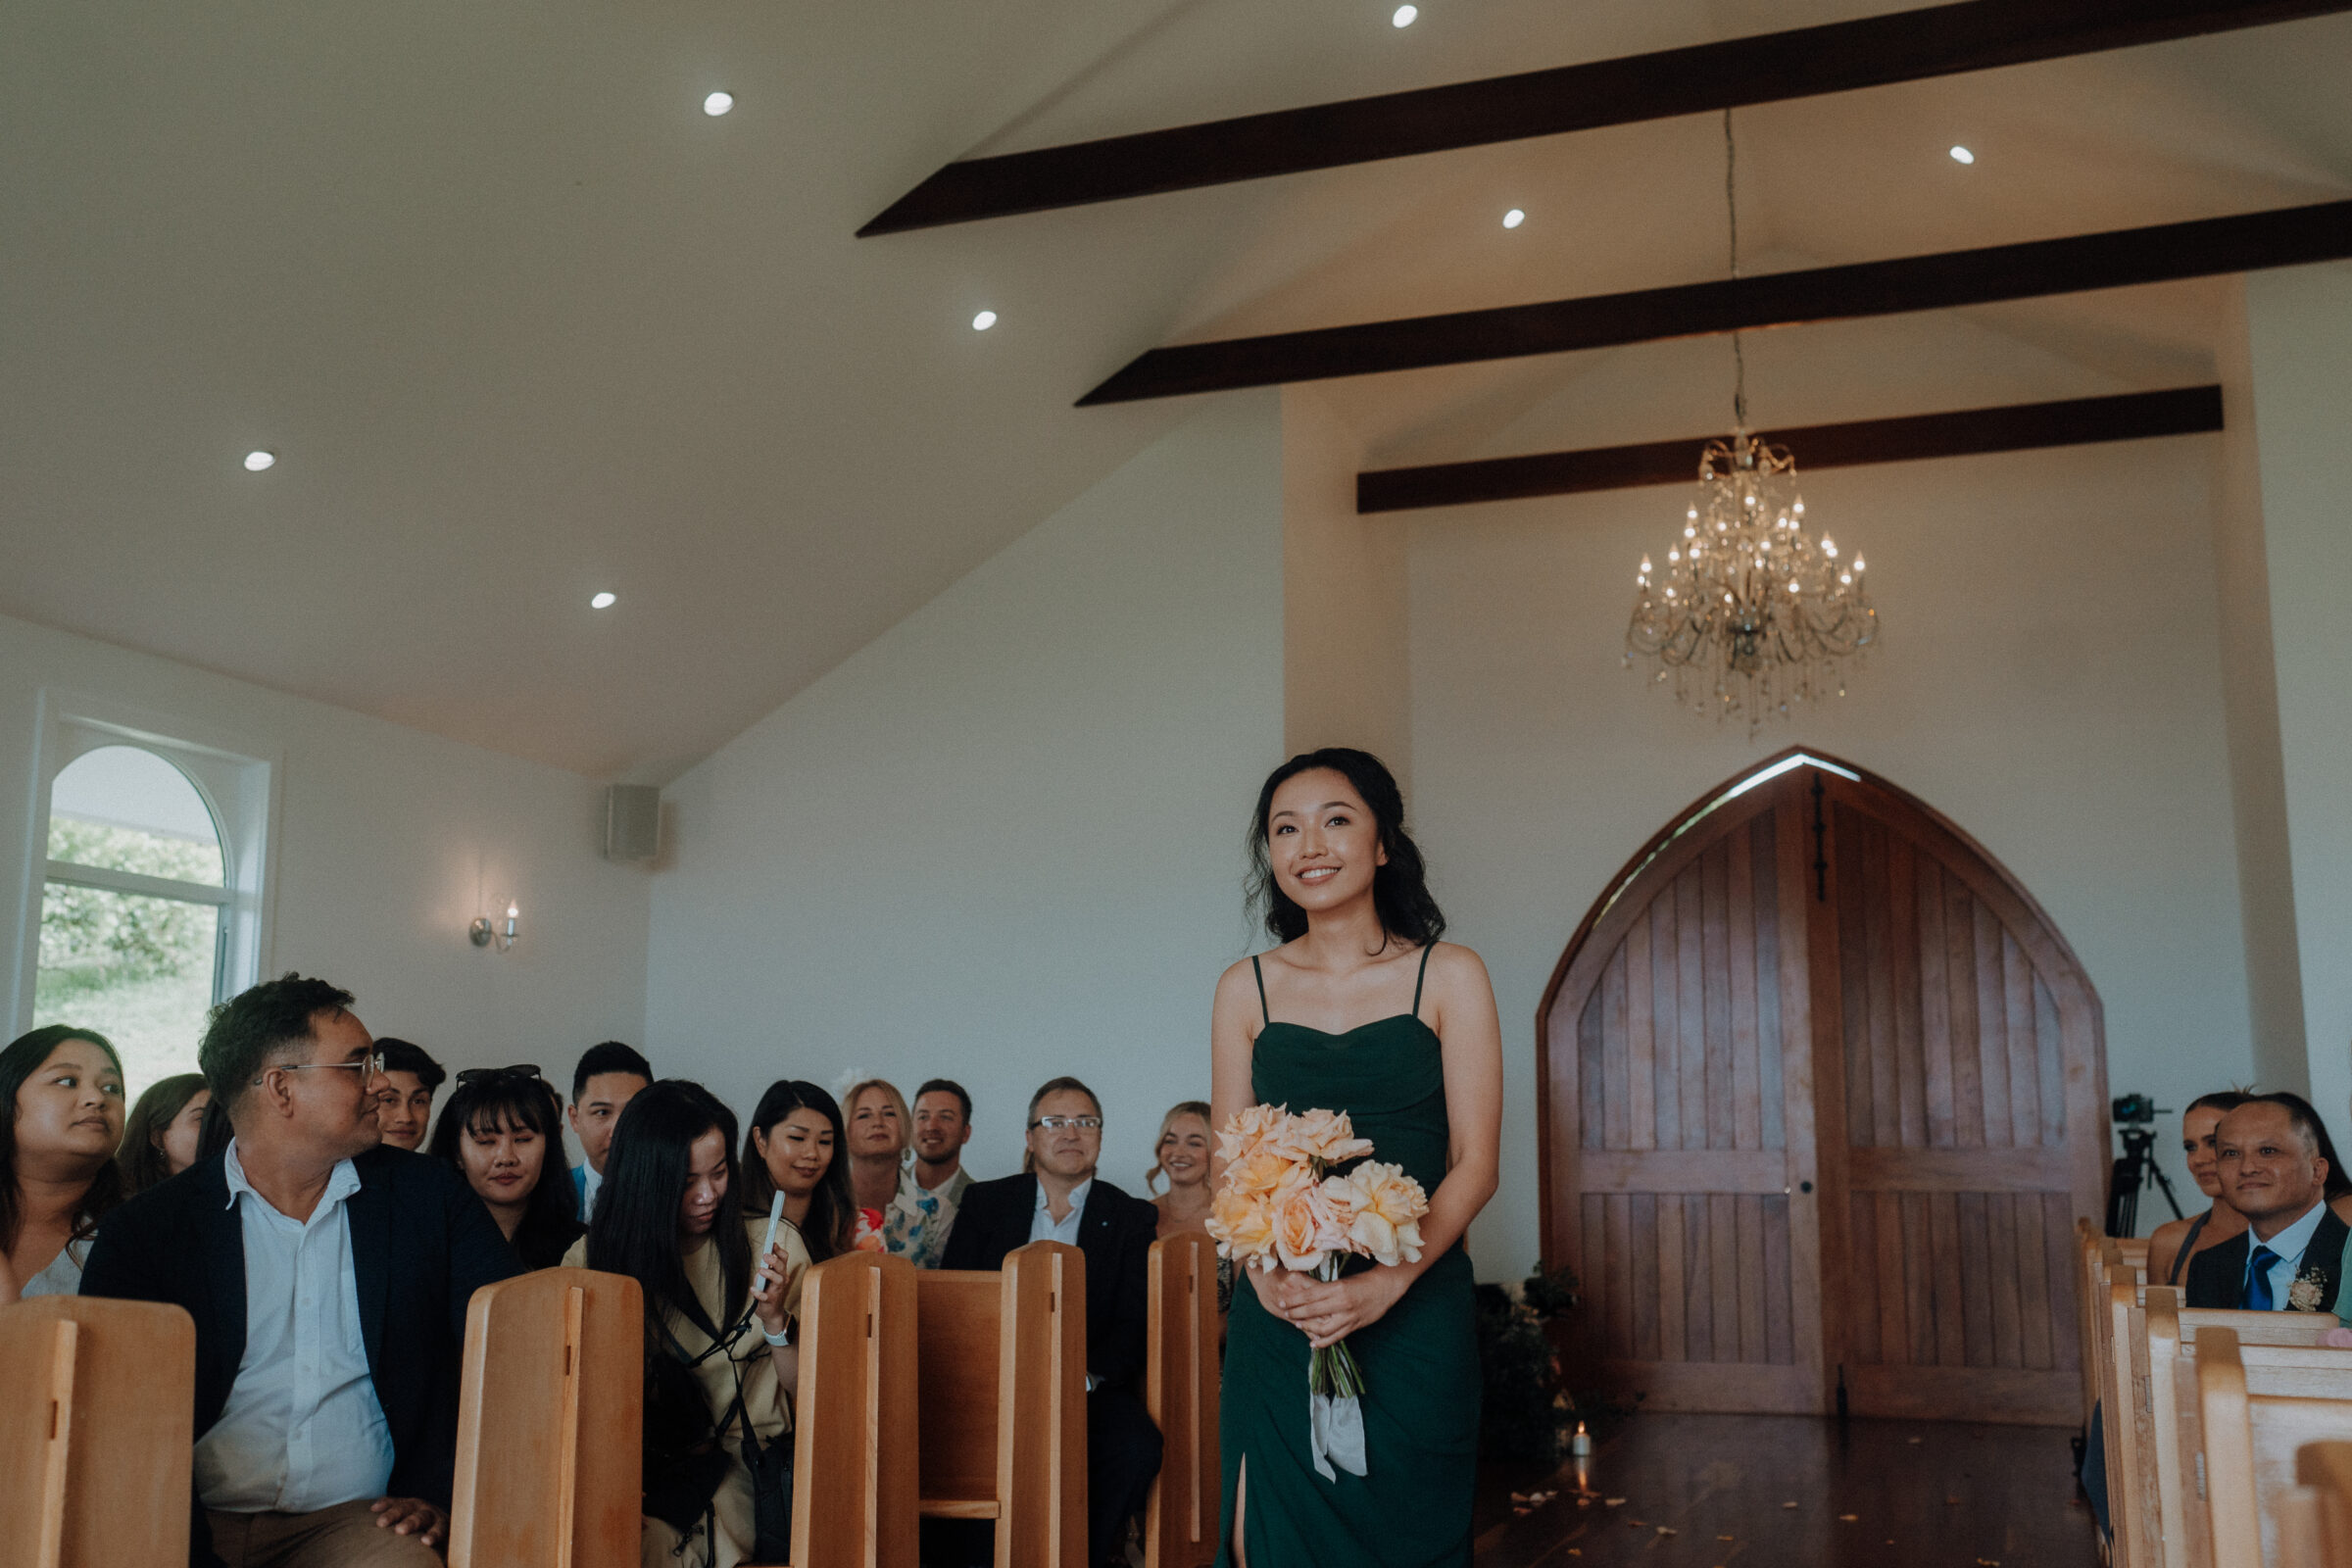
(159, 1139)
(1059, 1198)
(909, 1219)
(58, 1176)
(406, 1107)
(716, 1327)
(503, 1129)
(329, 1277)
(607, 1077)
(2172, 1244)
(1182, 1154)
(794, 1148)
(2276, 1162)
(943, 1125)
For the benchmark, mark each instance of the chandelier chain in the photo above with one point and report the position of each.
(1730, 204)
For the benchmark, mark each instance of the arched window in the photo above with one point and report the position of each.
(135, 908)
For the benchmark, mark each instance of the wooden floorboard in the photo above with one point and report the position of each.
(1921, 1492)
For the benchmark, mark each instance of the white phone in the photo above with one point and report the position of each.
(775, 1217)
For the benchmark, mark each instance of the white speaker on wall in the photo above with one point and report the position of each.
(632, 821)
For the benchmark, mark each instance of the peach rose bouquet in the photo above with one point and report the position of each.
(1281, 1206)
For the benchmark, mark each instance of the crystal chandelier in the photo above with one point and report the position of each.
(1750, 613)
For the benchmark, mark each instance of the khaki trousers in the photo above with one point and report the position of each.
(345, 1536)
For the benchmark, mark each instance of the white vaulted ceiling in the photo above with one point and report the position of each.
(523, 323)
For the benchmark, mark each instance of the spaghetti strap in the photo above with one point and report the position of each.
(1422, 978)
(2188, 1245)
(1261, 989)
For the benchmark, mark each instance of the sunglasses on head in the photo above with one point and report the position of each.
(484, 1075)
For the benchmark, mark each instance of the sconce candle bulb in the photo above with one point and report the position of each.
(483, 933)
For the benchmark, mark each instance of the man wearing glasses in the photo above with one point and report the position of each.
(1059, 1198)
(329, 1277)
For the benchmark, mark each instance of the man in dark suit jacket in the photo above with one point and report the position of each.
(2272, 1172)
(328, 1279)
(1060, 1198)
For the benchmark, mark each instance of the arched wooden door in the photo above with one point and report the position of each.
(1823, 1092)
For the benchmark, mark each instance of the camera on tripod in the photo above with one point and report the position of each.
(2134, 1117)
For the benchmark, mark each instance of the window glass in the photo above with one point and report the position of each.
(126, 808)
(139, 966)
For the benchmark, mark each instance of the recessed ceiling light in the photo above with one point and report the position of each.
(1403, 16)
(256, 462)
(718, 103)
(1961, 155)
(1513, 219)
(984, 321)
(600, 601)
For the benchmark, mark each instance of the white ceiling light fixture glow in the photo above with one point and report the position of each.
(1513, 219)
(256, 461)
(1403, 15)
(604, 601)
(717, 104)
(1961, 155)
(984, 321)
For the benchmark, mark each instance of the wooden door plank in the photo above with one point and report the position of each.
(1616, 1211)
(1895, 1305)
(1902, 947)
(1771, 1085)
(1693, 1170)
(1641, 1221)
(1878, 943)
(2057, 1235)
(1923, 1242)
(1592, 1117)
(1780, 1344)
(1992, 1025)
(1591, 1326)
(2033, 1299)
(1969, 1110)
(2008, 1336)
(1616, 1066)
(1723, 1273)
(1754, 1340)
(1672, 1344)
(1813, 1095)
(1690, 1003)
(1715, 886)
(1699, 1290)
(1641, 1049)
(1747, 1094)
(2050, 1041)
(1954, 1170)
(1975, 1275)
(2024, 1052)
(1935, 1005)
(1665, 990)
(1848, 952)
(1865, 1286)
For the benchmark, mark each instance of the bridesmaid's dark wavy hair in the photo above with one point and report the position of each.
(1400, 889)
(832, 1226)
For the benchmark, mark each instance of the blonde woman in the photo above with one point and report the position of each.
(910, 1221)
(1182, 1156)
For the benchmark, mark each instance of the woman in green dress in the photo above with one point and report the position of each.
(1360, 1009)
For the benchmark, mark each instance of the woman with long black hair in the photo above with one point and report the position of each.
(797, 1147)
(1359, 1008)
(501, 1129)
(720, 1364)
(61, 1121)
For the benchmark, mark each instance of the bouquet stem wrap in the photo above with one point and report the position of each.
(1334, 1400)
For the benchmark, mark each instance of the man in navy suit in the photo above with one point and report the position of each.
(329, 1277)
(607, 1079)
(2273, 1171)
(1060, 1198)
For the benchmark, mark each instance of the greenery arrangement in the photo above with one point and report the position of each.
(1528, 1413)
(93, 939)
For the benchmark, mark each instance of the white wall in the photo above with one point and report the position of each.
(1003, 840)
(2050, 679)
(388, 842)
(2300, 340)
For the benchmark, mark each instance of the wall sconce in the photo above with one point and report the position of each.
(484, 933)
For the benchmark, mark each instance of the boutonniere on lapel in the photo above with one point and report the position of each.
(2304, 1294)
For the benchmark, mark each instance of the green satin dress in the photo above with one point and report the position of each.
(1420, 1360)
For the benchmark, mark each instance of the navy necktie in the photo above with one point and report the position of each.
(2258, 1281)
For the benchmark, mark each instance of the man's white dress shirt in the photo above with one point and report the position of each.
(1043, 1227)
(2289, 1244)
(303, 1429)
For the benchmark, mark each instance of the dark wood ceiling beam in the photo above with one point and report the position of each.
(2117, 258)
(2012, 428)
(1805, 62)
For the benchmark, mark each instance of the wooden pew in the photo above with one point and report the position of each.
(855, 1428)
(1002, 1360)
(1180, 1523)
(98, 1434)
(551, 1421)
(2160, 1337)
(2258, 1406)
(2315, 1517)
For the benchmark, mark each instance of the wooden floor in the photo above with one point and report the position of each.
(1919, 1493)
